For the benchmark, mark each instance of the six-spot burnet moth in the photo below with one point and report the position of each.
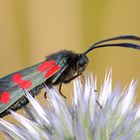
(58, 68)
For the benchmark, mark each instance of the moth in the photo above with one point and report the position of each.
(58, 68)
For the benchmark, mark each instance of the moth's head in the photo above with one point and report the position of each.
(82, 63)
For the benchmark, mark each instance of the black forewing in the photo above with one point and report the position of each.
(32, 74)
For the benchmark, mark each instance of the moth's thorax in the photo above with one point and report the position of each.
(72, 62)
(64, 58)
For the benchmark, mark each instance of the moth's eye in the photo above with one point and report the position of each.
(81, 63)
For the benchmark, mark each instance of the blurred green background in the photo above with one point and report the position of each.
(32, 29)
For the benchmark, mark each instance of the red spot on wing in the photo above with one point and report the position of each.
(52, 70)
(50, 66)
(17, 77)
(25, 84)
(5, 97)
(45, 65)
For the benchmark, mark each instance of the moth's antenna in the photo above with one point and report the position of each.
(124, 37)
(125, 45)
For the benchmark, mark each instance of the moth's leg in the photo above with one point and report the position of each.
(45, 95)
(60, 87)
(83, 77)
(21, 103)
(97, 100)
(70, 79)
(66, 81)
(98, 104)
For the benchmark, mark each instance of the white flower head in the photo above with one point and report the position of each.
(110, 115)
